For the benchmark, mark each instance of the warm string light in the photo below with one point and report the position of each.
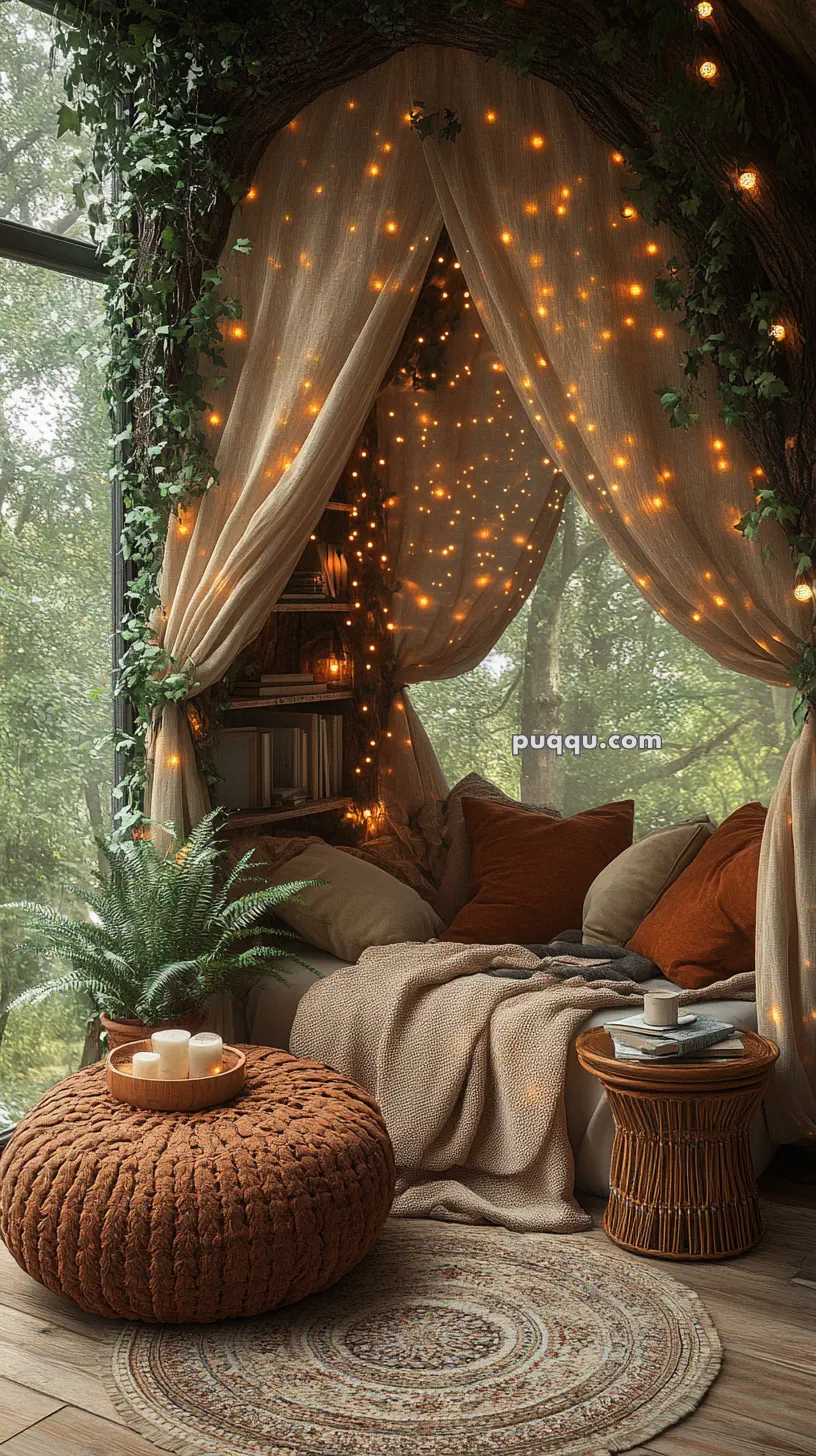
(748, 180)
(803, 592)
(708, 70)
(705, 10)
(777, 331)
(369, 546)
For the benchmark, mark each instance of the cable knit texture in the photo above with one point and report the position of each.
(200, 1216)
(469, 1069)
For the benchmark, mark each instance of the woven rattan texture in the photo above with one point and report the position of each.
(681, 1180)
(200, 1215)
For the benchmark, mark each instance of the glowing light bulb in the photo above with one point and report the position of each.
(705, 10)
(803, 592)
(777, 332)
(214, 419)
(651, 249)
(390, 227)
(251, 194)
(748, 179)
(507, 237)
(635, 290)
(238, 331)
(373, 170)
(490, 116)
(658, 333)
(708, 70)
(618, 157)
(537, 142)
(628, 211)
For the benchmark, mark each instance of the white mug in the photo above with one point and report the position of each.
(661, 1008)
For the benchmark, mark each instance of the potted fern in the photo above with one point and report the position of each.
(165, 931)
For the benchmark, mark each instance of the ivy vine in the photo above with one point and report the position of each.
(156, 86)
(154, 175)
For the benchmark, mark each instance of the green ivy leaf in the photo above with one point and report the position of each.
(68, 120)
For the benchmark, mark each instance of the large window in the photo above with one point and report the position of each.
(588, 655)
(38, 169)
(55, 694)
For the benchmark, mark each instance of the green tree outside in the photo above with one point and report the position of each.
(55, 697)
(616, 666)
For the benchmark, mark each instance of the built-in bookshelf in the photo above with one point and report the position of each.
(281, 751)
(250, 818)
(312, 607)
(331, 624)
(241, 705)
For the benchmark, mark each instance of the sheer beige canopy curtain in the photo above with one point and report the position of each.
(560, 269)
(348, 205)
(343, 223)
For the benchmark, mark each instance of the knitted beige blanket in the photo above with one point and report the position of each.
(469, 1072)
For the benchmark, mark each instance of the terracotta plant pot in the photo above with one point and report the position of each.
(120, 1032)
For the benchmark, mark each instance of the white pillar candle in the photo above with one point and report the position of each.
(660, 1008)
(206, 1054)
(146, 1065)
(173, 1048)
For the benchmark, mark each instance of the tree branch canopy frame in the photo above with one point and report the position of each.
(182, 103)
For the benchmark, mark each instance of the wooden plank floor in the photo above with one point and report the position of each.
(53, 1401)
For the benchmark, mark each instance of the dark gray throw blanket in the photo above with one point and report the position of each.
(568, 956)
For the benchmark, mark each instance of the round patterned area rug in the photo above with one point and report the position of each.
(446, 1341)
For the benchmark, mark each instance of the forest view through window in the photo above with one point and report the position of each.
(55, 697)
(588, 655)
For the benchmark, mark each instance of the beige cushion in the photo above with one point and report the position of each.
(360, 906)
(631, 885)
(454, 879)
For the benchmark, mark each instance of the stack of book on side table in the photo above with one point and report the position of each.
(698, 1038)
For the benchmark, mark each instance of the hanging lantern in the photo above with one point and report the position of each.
(334, 666)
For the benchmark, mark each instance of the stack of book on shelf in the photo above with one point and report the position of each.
(299, 757)
(291, 686)
(306, 586)
(699, 1038)
(335, 570)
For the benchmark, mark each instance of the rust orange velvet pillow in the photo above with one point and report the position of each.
(529, 873)
(702, 929)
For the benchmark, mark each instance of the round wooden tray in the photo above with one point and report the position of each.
(187, 1094)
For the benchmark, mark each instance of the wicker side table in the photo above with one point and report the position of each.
(681, 1181)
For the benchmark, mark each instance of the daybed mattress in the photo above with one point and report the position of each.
(270, 1013)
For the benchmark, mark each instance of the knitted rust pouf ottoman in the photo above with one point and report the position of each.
(173, 1216)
